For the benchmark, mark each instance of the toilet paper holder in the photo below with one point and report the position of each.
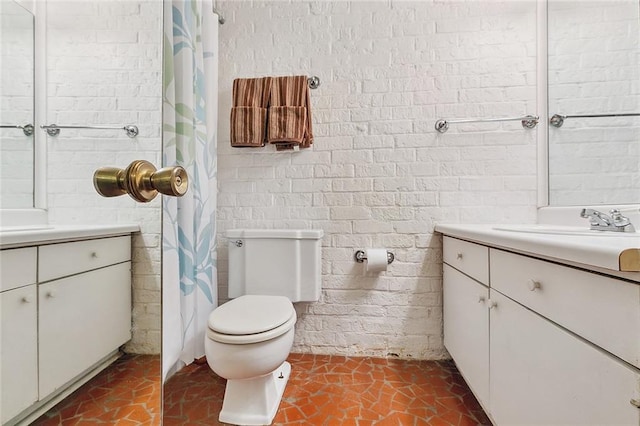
(360, 256)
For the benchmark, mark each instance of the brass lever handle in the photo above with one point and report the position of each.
(141, 181)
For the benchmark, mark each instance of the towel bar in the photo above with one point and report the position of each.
(27, 129)
(557, 120)
(54, 129)
(528, 122)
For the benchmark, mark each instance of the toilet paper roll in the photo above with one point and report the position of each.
(376, 260)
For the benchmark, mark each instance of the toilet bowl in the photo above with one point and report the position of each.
(247, 342)
(249, 338)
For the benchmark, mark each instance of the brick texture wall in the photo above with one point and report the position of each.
(104, 68)
(378, 174)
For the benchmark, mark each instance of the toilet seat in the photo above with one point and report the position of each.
(251, 319)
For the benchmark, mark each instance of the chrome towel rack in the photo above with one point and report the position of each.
(557, 120)
(528, 122)
(54, 129)
(27, 129)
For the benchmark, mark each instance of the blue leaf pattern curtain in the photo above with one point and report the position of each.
(190, 87)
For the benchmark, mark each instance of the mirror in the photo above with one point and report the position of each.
(594, 70)
(16, 106)
(102, 63)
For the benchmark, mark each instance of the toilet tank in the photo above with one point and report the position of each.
(278, 262)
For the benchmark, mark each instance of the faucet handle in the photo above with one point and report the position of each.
(589, 213)
(618, 218)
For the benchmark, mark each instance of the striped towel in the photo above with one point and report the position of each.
(289, 122)
(249, 111)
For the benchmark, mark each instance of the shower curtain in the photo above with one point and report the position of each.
(190, 103)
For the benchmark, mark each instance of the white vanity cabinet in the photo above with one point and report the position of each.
(64, 324)
(18, 331)
(543, 375)
(560, 346)
(465, 313)
(93, 307)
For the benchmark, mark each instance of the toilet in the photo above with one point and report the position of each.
(249, 338)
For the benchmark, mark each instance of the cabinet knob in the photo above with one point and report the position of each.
(481, 299)
(533, 285)
(459, 256)
(25, 299)
(492, 304)
(635, 403)
(94, 255)
(51, 294)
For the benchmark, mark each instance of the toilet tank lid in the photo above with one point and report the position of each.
(251, 314)
(299, 234)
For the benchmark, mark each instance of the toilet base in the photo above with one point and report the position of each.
(254, 401)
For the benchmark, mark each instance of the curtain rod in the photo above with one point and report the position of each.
(215, 10)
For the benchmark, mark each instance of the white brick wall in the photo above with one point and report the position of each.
(594, 68)
(104, 68)
(378, 174)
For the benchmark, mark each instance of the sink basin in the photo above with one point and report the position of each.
(564, 230)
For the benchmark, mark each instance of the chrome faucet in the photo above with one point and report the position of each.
(614, 221)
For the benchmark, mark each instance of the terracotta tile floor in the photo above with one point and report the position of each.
(334, 390)
(322, 390)
(128, 392)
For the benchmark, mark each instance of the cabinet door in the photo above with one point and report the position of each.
(542, 375)
(82, 319)
(466, 329)
(18, 351)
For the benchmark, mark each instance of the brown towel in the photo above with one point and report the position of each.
(249, 111)
(289, 121)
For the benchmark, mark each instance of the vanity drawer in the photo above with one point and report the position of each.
(60, 260)
(469, 258)
(17, 267)
(574, 299)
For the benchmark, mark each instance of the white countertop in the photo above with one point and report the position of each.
(44, 234)
(598, 252)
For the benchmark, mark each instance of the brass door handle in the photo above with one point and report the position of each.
(141, 181)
